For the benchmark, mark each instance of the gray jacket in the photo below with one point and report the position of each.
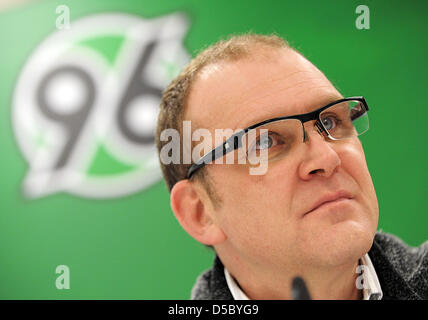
(402, 272)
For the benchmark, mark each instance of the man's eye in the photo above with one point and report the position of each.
(330, 122)
(266, 142)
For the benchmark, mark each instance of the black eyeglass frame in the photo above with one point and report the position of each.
(234, 141)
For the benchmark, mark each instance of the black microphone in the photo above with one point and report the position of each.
(299, 290)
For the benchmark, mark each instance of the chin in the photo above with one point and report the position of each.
(340, 244)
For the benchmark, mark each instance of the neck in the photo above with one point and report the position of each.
(336, 283)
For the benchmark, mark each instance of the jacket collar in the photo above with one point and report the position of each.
(394, 286)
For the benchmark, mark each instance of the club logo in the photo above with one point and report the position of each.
(86, 102)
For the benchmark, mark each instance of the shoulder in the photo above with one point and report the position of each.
(202, 287)
(211, 284)
(400, 265)
(406, 259)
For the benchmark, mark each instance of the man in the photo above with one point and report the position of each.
(313, 213)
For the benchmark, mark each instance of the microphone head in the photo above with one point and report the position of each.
(299, 290)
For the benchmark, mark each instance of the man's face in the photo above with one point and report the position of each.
(267, 218)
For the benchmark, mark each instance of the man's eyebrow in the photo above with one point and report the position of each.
(324, 101)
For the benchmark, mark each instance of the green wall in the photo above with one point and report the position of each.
(131, 247)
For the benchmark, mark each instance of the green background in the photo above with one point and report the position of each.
(132, 247)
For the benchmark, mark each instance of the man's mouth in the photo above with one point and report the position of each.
(330, 198)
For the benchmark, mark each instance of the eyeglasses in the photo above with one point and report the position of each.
(278, 137)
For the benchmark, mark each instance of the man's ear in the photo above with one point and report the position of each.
(193, 215)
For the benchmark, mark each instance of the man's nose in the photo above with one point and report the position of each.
(320, 157)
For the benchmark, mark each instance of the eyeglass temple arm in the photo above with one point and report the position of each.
(229, 145)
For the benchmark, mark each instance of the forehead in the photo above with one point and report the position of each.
(265, 85)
